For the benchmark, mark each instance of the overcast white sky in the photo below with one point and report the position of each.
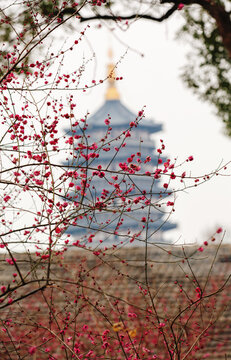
(189, 125)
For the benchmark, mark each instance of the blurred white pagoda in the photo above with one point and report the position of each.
(140, 142)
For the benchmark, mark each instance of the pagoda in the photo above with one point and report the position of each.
(114, 228)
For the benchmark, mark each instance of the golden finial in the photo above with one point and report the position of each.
(110, 53)
(112, 92)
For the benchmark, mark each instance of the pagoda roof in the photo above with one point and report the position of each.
(120, 116)
(159, 225)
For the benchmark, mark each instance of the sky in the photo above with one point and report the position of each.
(190, 126)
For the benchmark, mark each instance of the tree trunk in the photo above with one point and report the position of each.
(223, 21)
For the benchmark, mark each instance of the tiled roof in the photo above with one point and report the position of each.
(176, 278)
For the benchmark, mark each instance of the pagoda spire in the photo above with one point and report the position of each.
(112, 92)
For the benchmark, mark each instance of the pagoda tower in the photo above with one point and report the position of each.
(139, 143)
